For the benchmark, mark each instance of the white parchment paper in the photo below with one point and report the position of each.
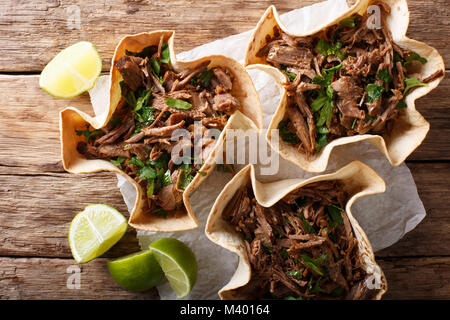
(385, 217)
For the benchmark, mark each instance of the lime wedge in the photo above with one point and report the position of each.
(136, 272)
(72, 71)
(178, 263)
(95, 230)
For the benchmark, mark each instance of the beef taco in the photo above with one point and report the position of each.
(297, 239)
(357, 78)
(165, 121)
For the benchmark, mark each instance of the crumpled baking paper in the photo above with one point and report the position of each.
(385, 217)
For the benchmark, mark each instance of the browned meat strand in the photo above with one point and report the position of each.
(303, 247)
(353, 80)
(132, 74)
(158, 101)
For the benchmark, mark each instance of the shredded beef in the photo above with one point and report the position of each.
(302, 247)
(359, 70)
(138, 138)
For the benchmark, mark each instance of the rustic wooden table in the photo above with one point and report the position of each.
(38, 199)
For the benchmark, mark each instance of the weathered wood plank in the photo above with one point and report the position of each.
(32, 33)
(42, 278)
(417, 278)
(30, 136)
(36, 210)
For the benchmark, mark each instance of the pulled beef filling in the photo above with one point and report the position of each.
(346, 80)
(158, 101)
(303, 247)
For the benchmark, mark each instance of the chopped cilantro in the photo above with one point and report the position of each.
(156, 67)
(374, 91)
(147, 173)
(167, 178)
(413, 56)
(335, 215)
(165, 53)
(286, 135)
(118, 162)
(314, 264)
(412, 83)
(160, 212)
(205, 77)
(86, 133)
(151, 187)
(401, 104)
(383, 75)
(178, 104)
(297, 274)
(348, 22)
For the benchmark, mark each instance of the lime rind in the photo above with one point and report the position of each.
(137, 272)
(178, 263)
(61, 59)
(94, 231)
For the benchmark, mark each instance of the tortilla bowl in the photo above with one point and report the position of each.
(249, 116)
(409, 129)
(358, 179)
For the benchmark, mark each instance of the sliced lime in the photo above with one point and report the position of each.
(178, 263)
(72, 71)
(95, 230)
(136, 272)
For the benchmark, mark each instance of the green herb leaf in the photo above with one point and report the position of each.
(401, 105)
(335, 215)
(165, 53)
(413, 56)
(308, 228)
(297, 274)
(348, 22)
(369, 118)
(142, 100)
(353, 123)
(145, 115)
(286, 135)
(167, 178)
(114, 121)
(118, 162)
(383, 75)
(156, 67)
(320, 101)
(205, 78)
(178, 104)
(137, 162)
(325, 114)
(322, 140)
(412, 83)
(293, 298)
(374, 91)
(322, 130)
(160, 212)
(151, 187)
(147, 173)
(284, 253)
(314, 264)
(87, 134)
(186, 177)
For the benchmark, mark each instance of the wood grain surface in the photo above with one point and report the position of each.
(38, 199)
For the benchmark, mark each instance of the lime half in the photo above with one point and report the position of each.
(136, 272)
(72, 71)
(178, 263)
(95, 230)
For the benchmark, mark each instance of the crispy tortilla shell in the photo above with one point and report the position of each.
(409, 130)
(358, 179)
(249, 116)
